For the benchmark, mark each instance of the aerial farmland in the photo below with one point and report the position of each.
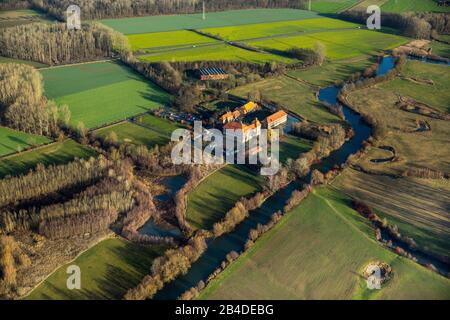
(107, 131)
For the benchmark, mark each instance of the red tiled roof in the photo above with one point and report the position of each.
(277, 115)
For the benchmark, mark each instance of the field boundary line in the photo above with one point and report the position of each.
(113, 123)
(110, 235)
(342, 217)
(352, 6)
(313, 86)
(297, 33)
(41, 146)
(79, 63)
(134, 121)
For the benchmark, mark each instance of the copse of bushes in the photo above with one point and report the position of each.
(309, 57)
(11, 257)
(166, 268)
(296, 198)
(238, 213)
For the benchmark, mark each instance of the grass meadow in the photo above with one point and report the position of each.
(215, 53)
(102, 93)
(218, 193)
(411, 204)
(418, 206)
(244, 32)
(108, 270)
(333, 71)
(213, 20)
(291, 147)
(296, 96)
(131, 133)
(12, 141)
(318, 251)
(163, 126)
(440, 49)
(339, 44)
(436, 95)
(55, 153)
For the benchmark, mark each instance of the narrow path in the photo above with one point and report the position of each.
(234, 43)
(78, 64)
(343, 218)
(313, 86)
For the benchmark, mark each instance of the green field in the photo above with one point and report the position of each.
(102, 93)
(413, 6)
(213, 20)
(362, 5)
(214, 53)
(108, 270)
(131, 133)
(331, 6)
(12, 141)
(319, 251)
(55, 153)
(291, 94)
(31, 63)
(140, 42)
(339, 44)
(218, 193)
(436, 96)
(291, 147)
(333, 71)
(164, 126)
(243, 32)
(440, 49)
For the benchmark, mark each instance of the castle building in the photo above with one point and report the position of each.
(242, 131)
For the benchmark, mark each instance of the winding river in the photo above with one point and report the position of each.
(218, 248)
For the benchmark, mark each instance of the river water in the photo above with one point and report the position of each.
(218, 248)
(173, 184)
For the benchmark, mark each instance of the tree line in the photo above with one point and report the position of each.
(44, 181)
(238, 213)
(54, 44)
(166, 268)
(101, 9)
(66, 227)
(414, 25)
(14, 4)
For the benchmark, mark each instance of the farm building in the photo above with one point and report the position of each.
(248, 107)
(205, 74)
(276, 119)
(242, 131)
(233, 115)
